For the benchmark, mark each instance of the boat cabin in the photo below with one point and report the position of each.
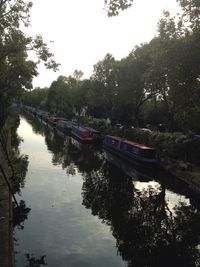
(64, 125)
(81, 133)
(96, 135)
(130, 149)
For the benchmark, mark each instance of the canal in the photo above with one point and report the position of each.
(83, 207)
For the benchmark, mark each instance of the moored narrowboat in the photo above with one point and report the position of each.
(86, 134)
(131, 151)
(96, 135)
(65, 126)
(81, 133)
(52, 120)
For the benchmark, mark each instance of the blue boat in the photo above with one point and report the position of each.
(65, 126)
(81, 133)
(96, 135)
(131, 151)
(86, 134)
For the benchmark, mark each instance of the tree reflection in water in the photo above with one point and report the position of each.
(20, 214)
(35, 262)
(147, 232)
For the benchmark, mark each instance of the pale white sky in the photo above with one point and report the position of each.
(83, 34)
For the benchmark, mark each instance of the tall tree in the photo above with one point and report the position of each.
(176, 59)
(105, 75)
(16, 69)
(36, 98)
(133, 86)
(60, 96)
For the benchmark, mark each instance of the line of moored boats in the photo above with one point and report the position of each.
(124, 148)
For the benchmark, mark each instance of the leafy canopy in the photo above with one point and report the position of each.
(16, 68)
(113, 7)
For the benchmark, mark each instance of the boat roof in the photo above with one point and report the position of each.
(92, 130)
(142, 146)
(63, 120)
(80, 128)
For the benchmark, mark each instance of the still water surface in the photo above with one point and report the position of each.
(89, 208)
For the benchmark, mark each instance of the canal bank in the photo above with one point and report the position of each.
(188, 174)
(6, 228)
(6, 216)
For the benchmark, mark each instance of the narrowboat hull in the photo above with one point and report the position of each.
(133, 159)
(135, 171)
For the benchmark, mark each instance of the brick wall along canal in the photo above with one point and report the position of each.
(84, 211)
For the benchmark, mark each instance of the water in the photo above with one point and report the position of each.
(88, 208)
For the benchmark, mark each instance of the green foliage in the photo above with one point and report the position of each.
(134, 87)
(105, 76)
(78, 74)
(20, 166)
(17, 70)
(114, 6)
(98, 124)
(191, 13)
(36, 98)
(189, 119)
(59, 98)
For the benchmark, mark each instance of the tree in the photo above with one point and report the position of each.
(36, 98)
(16, 69)
(114, 6)
(191, 14)
(78, 74)
(80, 93)
(176, 64)
(59, 99)
(105, 76)
(134, 88)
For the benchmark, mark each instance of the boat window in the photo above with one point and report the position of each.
(115, 142)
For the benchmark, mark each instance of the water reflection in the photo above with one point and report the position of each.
(35, 262)
(147, 232)
(152, 225)
(20, 214)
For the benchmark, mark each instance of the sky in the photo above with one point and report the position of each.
(79, 33)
